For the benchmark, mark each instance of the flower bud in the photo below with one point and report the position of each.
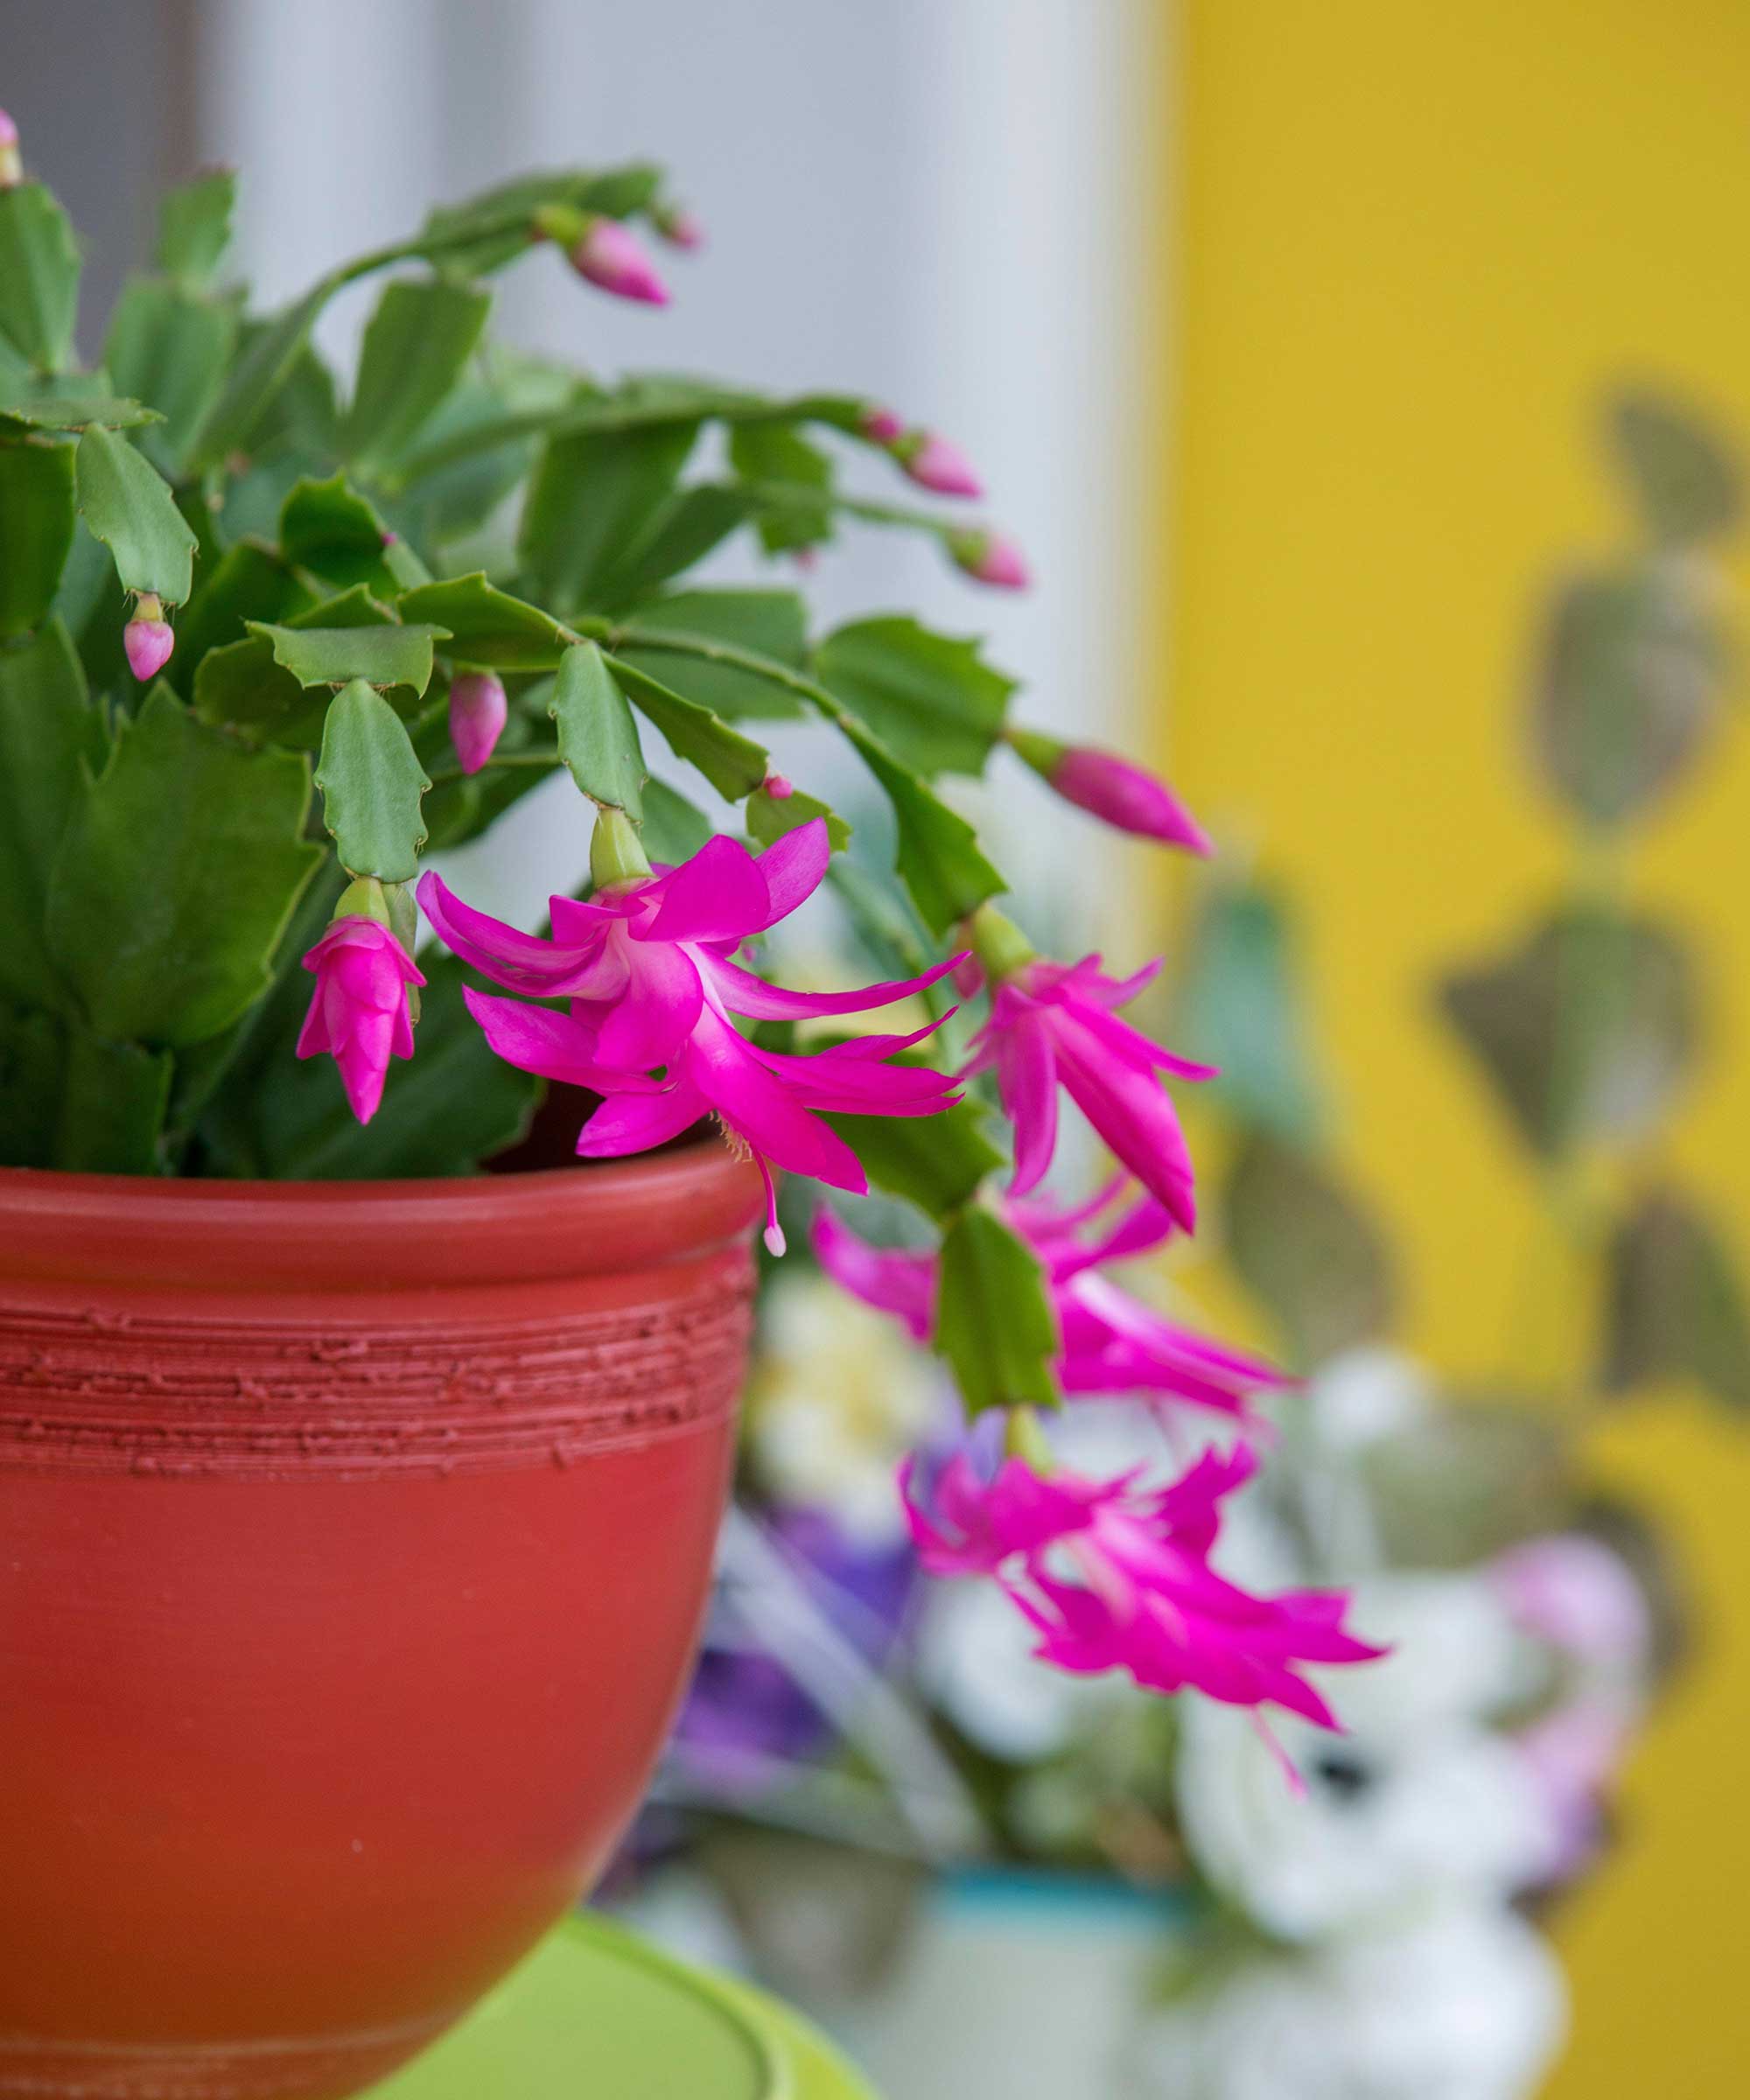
(935, 464)
(1111, 788)
(477, 712)
(678, 227)
(611, 257)
(990, 558)
(147, 639)
(11, 164)
(616, 855)
(880, 425)
(778, 788)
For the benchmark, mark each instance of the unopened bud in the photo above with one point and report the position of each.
(147, 639)
(678, 227)
(988, 557)
(1119, 794)
(880, 425)
(778, 788)
(477, 713)
(11, 163)
(610, 256)
(936, 464)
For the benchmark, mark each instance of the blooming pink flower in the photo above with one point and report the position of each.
(359, 1012)
(148, 640)
(1111, 788)
(477, 712)
(1112, 1343)
(647, 967)
(990, 557)
(1052, 1024)
(610, 256)
(935, 464)
(1114, 1576)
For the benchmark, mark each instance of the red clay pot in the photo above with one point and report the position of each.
(354, 1544)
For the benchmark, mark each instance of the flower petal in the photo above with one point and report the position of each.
(718, 895)
(518, 960)
(793, 867)
(744, 993)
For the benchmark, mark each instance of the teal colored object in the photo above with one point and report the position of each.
(595, 2013)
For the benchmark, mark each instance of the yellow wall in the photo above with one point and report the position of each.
(1413, 239)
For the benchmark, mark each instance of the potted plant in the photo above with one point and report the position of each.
(357, 1506)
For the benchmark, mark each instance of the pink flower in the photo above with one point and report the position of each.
(1112, 1342)
(478, 711)
(647, 967)
(1114, 1576)
(148, 640)
(990, 557)
(11, 165)
(1111, 788)
(359, 1012)
(935, 464)
(610, 256)
(1051, 1024)
(1572, 1592)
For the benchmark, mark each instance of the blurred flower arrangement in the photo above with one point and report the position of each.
(1374, 1929)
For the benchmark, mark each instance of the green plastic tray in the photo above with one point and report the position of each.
(597, 2014)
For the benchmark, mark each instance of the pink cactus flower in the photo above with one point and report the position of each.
(148, 640)
(990, 557)
(611, 257)
(477, 712)
(881, 426)
(1114, 1576)
(1112, 1343)
(935, 464)
(1053, 1025)
(11, 163)
(1111, 788)
(358, 1014)
(647, 967)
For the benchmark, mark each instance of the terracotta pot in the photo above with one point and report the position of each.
(354, 1544)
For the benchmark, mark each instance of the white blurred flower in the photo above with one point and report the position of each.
(976, 1662)
(1460, 2002)
(838, 1396)
(1420, 1798)
(1363, 1395)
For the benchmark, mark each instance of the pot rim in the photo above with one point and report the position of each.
(435, 1232)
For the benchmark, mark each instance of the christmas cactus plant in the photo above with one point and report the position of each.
(266, 640)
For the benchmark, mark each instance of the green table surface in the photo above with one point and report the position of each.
(596, 2013)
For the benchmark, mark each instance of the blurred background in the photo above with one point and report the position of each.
(1365, 382)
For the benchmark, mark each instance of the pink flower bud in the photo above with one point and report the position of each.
(935, 464)
(990, 558)
(778, 788)
(609, 257)
(359, 1013)
(679, 228)
(478, 708)
(148, 640)
(1111, 788)
(11, 164)
(881, 426)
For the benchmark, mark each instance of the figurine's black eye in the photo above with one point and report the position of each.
(1343, 1775)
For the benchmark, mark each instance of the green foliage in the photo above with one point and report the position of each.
(994, 1321)
(1586, 1031)
(1683, 482)
(70, 1100)
(936, 1162)
(371, 782)
(769, 817)
(1307, 1250)
(595, 498)
(487, 627)
(50, 739)
(165, 927)
(598, 737)
(1677, 1309)
(194, 228)
(938, 855)
(171, 346)
(1240, 1008)
(771, 624)
(38, 510)
(381, 653)
(733, 764)
(416, 346)
(933, 700)
(126, 504)
(38, 277)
